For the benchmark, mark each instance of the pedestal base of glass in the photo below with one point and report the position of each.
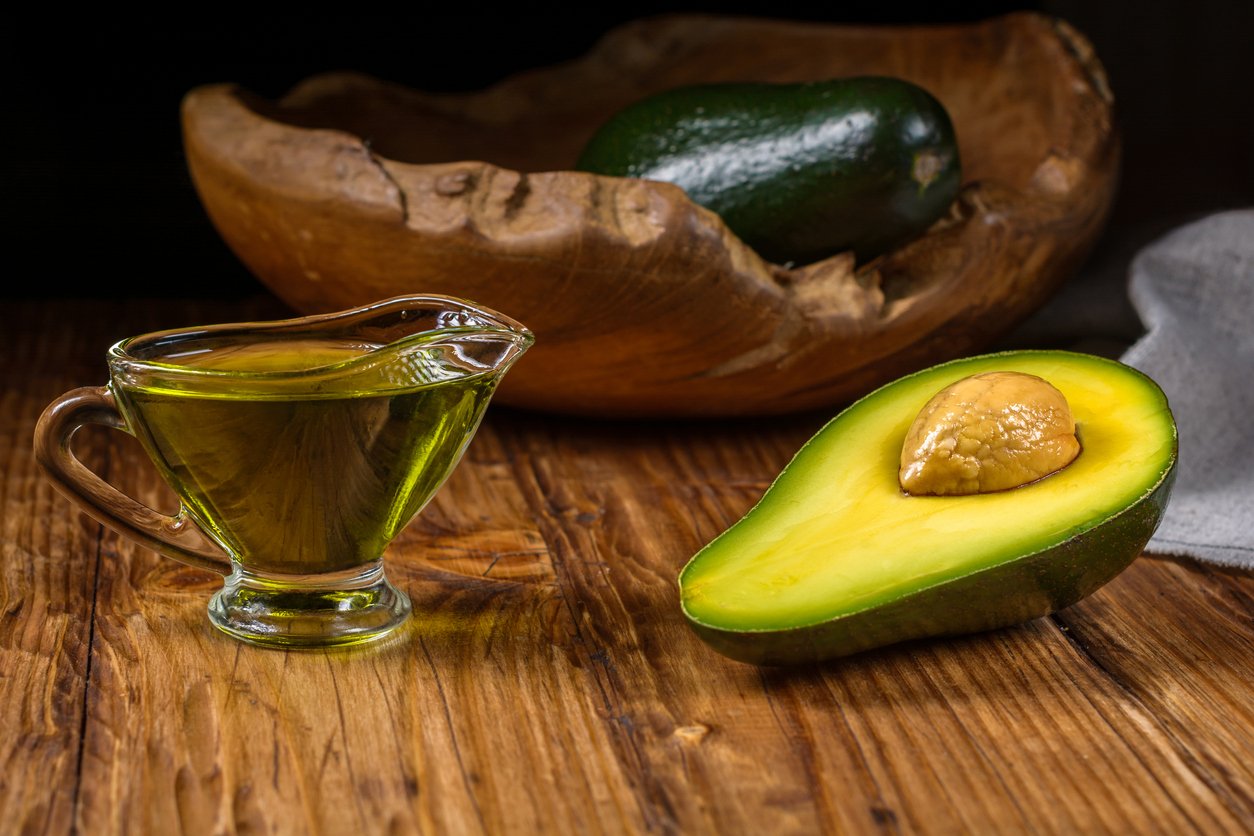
(350, 607)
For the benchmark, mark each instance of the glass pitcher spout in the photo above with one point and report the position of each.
(482, 338)
(416, 341)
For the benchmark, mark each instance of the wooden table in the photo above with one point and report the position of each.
(548, 684)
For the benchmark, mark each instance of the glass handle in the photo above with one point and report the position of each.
(176, 537)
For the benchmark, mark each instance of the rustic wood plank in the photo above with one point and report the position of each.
(1177, 637)
(48, 556)
(947, 736)
(548, 683)
(472, 720)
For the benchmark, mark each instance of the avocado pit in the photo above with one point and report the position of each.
(988, 432)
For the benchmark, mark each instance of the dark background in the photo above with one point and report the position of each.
(98, 201)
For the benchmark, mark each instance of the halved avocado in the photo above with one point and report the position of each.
(836, 559)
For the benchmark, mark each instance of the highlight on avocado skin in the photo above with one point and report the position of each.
(837, 559)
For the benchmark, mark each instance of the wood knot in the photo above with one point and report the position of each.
(1058, 175)
(451, 185)
(691, 735)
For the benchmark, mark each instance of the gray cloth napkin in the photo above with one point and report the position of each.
(1194, 292)
(1184, 315)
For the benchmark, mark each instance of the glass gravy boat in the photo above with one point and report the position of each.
(298, 449)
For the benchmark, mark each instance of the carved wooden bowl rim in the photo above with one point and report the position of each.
(643, 303)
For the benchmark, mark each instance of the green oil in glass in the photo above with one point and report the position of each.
(313, 475)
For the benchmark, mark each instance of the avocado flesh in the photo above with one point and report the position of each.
(835, 558)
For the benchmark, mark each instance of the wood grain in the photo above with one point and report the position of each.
(353, 189)
(548, 684)
(48, 563)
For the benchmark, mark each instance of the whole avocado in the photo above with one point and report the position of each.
(798, 171)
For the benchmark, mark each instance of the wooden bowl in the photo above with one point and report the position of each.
(352, 189)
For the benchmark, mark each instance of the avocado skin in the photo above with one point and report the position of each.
(798, 171)
(1010, 593)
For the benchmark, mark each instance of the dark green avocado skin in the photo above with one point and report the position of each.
(1010, 593)
(798, 171)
